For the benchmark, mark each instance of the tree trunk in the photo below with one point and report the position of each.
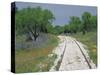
(33, 34)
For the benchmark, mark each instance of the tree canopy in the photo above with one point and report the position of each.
(87, 22)
(33, 20)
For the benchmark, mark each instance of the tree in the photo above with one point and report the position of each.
(75, 24)
(93, 22)
(32, 21)
(58, 29)
(86, 22)
(67, 29)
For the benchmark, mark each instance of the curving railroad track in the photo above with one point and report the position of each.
(73, 55)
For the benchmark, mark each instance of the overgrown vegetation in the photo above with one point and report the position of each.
(90, 40)
(32, 21)
(36, 59)
(85, 23)
(83, 29)
(34, 27)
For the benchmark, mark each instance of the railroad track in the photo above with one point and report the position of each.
(84, 55)
(63, 58)
(59, 62)
(73, 56)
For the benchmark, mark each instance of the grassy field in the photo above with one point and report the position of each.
(90, 40)
(36, 59)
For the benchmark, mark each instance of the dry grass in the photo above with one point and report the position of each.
(36, 59)
(90, 40)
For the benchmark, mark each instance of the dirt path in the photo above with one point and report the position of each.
(71, 55)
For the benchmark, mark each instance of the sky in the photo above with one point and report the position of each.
(61, 12)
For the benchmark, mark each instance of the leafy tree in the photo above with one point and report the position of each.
(86, 22)
(67, 29)
(58, 29)
(93, 22)
(75, 24)
(50, 29)
(32, 21)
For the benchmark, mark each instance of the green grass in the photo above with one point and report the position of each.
(36, 59)
(90, 40)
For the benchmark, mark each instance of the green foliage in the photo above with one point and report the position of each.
(40, 20)
(89, 22)
(58, 29)
(90, 40)
(33, 20)
(36, 59)
(67, 29)
(93, 22)
(86, 23)
(75, 24)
